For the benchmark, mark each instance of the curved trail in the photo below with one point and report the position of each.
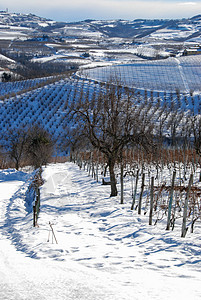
(24, 278)
(96, 257)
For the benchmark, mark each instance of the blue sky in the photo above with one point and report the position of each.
(75, 10)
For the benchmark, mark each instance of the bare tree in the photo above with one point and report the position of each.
(15, 143)
(110, 121)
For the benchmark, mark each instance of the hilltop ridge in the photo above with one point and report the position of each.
(34, 46)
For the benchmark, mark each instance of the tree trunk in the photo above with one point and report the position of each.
(71, 156)
(111, 164)
(17, 165)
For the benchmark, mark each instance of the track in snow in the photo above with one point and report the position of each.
(139, 265)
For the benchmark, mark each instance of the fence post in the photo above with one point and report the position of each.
(141, 194)
(39, 197)
(122, 183)
(34, 216)
(36, 206)
(151, 201)
(37, 202)
(135, 191)
(170, 201)
(184, 229)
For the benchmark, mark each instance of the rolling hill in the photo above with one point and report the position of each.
(54, 46)
(35, 47)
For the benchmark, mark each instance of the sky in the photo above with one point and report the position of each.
(78, 10)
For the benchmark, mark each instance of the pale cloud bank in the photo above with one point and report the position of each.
(68, 10)
(188, 3)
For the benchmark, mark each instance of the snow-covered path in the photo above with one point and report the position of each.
(183, 78)
(104, 250)
(22, 277)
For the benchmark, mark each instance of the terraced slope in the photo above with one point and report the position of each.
(183, 74)
(47, 105)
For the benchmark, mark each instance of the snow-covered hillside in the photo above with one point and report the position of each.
(23, 20)
(139, 28)
(30, 38)
(171, 74)
(24, 103)
(104, 250)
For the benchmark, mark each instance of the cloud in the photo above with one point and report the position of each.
(68, 10)
(187, 3)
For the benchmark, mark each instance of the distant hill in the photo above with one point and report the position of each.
(138, 28)
(23, 20)
(36, 46)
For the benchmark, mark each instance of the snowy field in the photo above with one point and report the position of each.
(170, 74)
(104, 250)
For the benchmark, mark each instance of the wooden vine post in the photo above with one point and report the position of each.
(170, 201)
(36, 207)
(122, 183)
(184, 228)
(135, 191)
(151, 201)
(97, 164)
(141, 194)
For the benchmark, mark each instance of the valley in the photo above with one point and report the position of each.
(118, 206)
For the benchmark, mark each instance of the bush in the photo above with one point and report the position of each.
(39, 146)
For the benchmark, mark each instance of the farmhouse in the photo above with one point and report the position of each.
(192, 51)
